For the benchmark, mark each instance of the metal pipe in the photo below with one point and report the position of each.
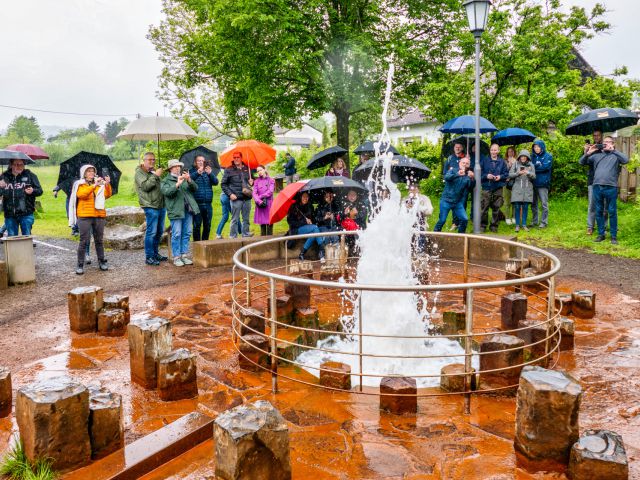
(273, 332)
(476, 169)
(360, 337)
(343, 261)
(468, 320)
(248, 276)
(551, 309)
(465, 268)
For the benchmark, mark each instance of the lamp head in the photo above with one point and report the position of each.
(477, 14)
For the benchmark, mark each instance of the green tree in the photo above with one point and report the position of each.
(93, 127)
(121, 150)
(112, 129)
(275, 62)
(24, 129)
(89, 143)
(527, 78)
(57, 152)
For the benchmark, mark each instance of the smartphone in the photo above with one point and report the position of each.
(599, 146)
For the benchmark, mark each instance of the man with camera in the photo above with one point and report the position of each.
(606, 162)
(202, 174)
(19, 188)
(236, 183)
(147, 182)
(591, 214)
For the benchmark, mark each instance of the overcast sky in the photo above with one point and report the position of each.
(91, 56)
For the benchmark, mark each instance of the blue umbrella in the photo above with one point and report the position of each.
(467, 124)
(513, 136)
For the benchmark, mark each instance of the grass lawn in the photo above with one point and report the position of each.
(567, 217)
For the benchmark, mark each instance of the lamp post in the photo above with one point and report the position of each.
(477, 14)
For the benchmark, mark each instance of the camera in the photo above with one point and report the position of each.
(599, 146)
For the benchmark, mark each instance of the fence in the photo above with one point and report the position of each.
(628, 180)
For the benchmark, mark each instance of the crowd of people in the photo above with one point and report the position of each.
(511, 184)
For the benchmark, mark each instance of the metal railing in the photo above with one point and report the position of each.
(261, 287)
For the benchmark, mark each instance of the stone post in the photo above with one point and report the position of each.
(177, 375)
(452, 378)
(540, 263)
(335, 375)
(53, 418)
(534, 335)
(567, 332)
(514, 267)
(149, 339)
(300, 294)
(398, 395)
(105, 422)
(547, 410)
(252, 442)
(501, 360)
(250, 347)
(307, 318)
(4, 276)
(84, 304)
(121, 302)
(284, 309)
(564, 303)
(112, 322)
(453, 321)
(6, 392)
(513, 308)
(583, 303)
(599, 454)
(251, 319)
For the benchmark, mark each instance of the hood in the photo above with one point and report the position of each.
(83, 169)
(524, 153)
(542, 146)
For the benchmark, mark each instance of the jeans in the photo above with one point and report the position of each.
(332, 238)
(465, 201)
(491, 199)
(541, 195)
(303, 230)
(459, 215)
(87, 227)
(606, 198)
(180, 233)
(240, 207)
(591, 214)
(226, 209)
(24, 222)
(520, 210)
(202, 220)
(155, 227)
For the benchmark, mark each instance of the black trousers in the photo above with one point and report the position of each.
(87, 227)
(491, 199)
(266, 230)
(202, 222)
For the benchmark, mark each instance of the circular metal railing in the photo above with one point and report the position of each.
(481, 290)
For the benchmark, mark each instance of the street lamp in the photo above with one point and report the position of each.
(477, 14)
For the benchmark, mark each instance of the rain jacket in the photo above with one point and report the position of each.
(177, 198)
(493, 167)
(263, 188)
(345, 173)
(456, 186)
(543, 164)
(15, 202)
(290, 166)
(606, 166)
(86, 196)
(322, 210)
(233, 179)
(298, 214)
(205, 182)
(148, 189)
(360, 218)
(452, 162)
(522, 190)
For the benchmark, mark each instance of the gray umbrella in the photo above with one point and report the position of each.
(7, 155)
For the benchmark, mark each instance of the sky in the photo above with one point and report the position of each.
(91, 56)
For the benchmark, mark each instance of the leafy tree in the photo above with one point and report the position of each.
(527, 79)
(90, 142)
(112, 129)
(275, 62)
(93, 127)
(24, 129)
(57, 153)
(121, 150)
(68, 135)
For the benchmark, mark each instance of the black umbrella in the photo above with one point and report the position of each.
(188, 158)
(316, 187)
(602, 119)
(7, 155)
(403, 169)
(70, 170)
(325, 157)
(367, 148)
(468, 142)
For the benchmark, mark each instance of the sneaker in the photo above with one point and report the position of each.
(508, 221)
(589, 231)
(614, 241)
(250, 234)
(152, 261)
(233, 236)
(599, 238)
(322, 259)
(80, 270)
(161, 258)
(494, 229)
(301, 256)
(453, 227)
(103, 266)
(219, 237)
(178, 262)
(517, 228)
(525, 228)
(186, 261)
(87, 260)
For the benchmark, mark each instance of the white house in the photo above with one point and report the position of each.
(296, 138)
(414, 126)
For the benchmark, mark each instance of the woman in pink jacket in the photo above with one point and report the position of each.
(263, 187)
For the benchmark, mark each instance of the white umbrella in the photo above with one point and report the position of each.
(157, 128)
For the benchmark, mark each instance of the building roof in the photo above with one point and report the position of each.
(412, 117)
(580, 63)
(303, 141)
(278, 130)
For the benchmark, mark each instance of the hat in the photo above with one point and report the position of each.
(175, 163)
(84, 168)
(524, 153)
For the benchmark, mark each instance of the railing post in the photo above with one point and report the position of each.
(343, 262)
(361, 339)
(233, 304)
(273, 332)
(248, 277)
(465, 270)
(467, 350)
(551, 311)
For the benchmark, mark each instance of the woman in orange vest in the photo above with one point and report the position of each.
(89, 195)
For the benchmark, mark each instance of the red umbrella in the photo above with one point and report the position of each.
(284, 200)
(34, 152)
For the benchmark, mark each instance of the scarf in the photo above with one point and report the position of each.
(99, 201)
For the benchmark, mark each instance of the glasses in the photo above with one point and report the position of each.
(237, 158)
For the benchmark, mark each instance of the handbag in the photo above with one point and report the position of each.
(510, 183)
(247, 191)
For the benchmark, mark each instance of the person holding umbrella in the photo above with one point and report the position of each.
(236, 183)
(338, 169)
(19, 188)
(494, 177)
(263, 188)
(327, 215)
(178, 189)
(300, 220)
(458, 181)
(543, 162)
(87, 210)
(202, 174)
(606, 164)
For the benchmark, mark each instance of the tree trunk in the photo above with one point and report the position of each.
(342, 130)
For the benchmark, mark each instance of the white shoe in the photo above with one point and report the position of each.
(186, 261)
(219, 237)
(508, 221)
(178, 262)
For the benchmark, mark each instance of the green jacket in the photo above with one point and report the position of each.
(174, 198)
(148, 189)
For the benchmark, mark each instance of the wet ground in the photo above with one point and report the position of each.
(333, 435)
